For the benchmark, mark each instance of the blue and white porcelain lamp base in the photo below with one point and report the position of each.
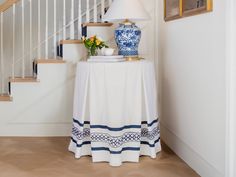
(127, 37)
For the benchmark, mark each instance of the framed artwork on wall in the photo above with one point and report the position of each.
(194, 7)
(175, 9)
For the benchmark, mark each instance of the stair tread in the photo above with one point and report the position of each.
(49, 61)
(70, 41)
(7, 4)
(26, 79)
(97, 24)
(5, 97)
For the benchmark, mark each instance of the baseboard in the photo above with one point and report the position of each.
(36, 130)
(185, 152)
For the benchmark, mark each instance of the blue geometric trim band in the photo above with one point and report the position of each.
(115, 141)
(145, 134)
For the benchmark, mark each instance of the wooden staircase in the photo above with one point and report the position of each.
(9, 5)
(5, 97)
(29, 79)
(26, 79)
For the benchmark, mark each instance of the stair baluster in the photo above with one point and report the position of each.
(95, 13)
(64, 19)
(72, 25)
(2, 59)
(102, 8)
(23, 36)
(30, 36)
(55, 29)
(39, 29)
(46, 32)
(87, 12)
(79, 18)
(110, 1)
(13, 39)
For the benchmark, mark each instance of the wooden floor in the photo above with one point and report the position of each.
(49, 157)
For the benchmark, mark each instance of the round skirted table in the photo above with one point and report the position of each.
(115, 115)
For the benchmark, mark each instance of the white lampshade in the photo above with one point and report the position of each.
(126, 9)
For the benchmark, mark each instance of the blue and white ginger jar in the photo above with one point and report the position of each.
(127, 37)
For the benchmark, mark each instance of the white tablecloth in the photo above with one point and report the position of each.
(115, 112)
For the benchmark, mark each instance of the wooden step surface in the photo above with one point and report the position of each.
(26, 79)
(49, 61)
(97, 24)
(5, 97)
(71, 42)
(7, 4)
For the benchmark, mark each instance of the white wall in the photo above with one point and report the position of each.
(147, 43)
(231, 89)
(193, 90)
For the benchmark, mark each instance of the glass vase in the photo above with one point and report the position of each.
(92, 52)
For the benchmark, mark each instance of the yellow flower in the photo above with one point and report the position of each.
(92, 38)
(98, 42)
(83, 38)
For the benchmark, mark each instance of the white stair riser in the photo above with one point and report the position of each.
(74, 52)
(106, 33)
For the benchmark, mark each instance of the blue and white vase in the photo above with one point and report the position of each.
(127, 37)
